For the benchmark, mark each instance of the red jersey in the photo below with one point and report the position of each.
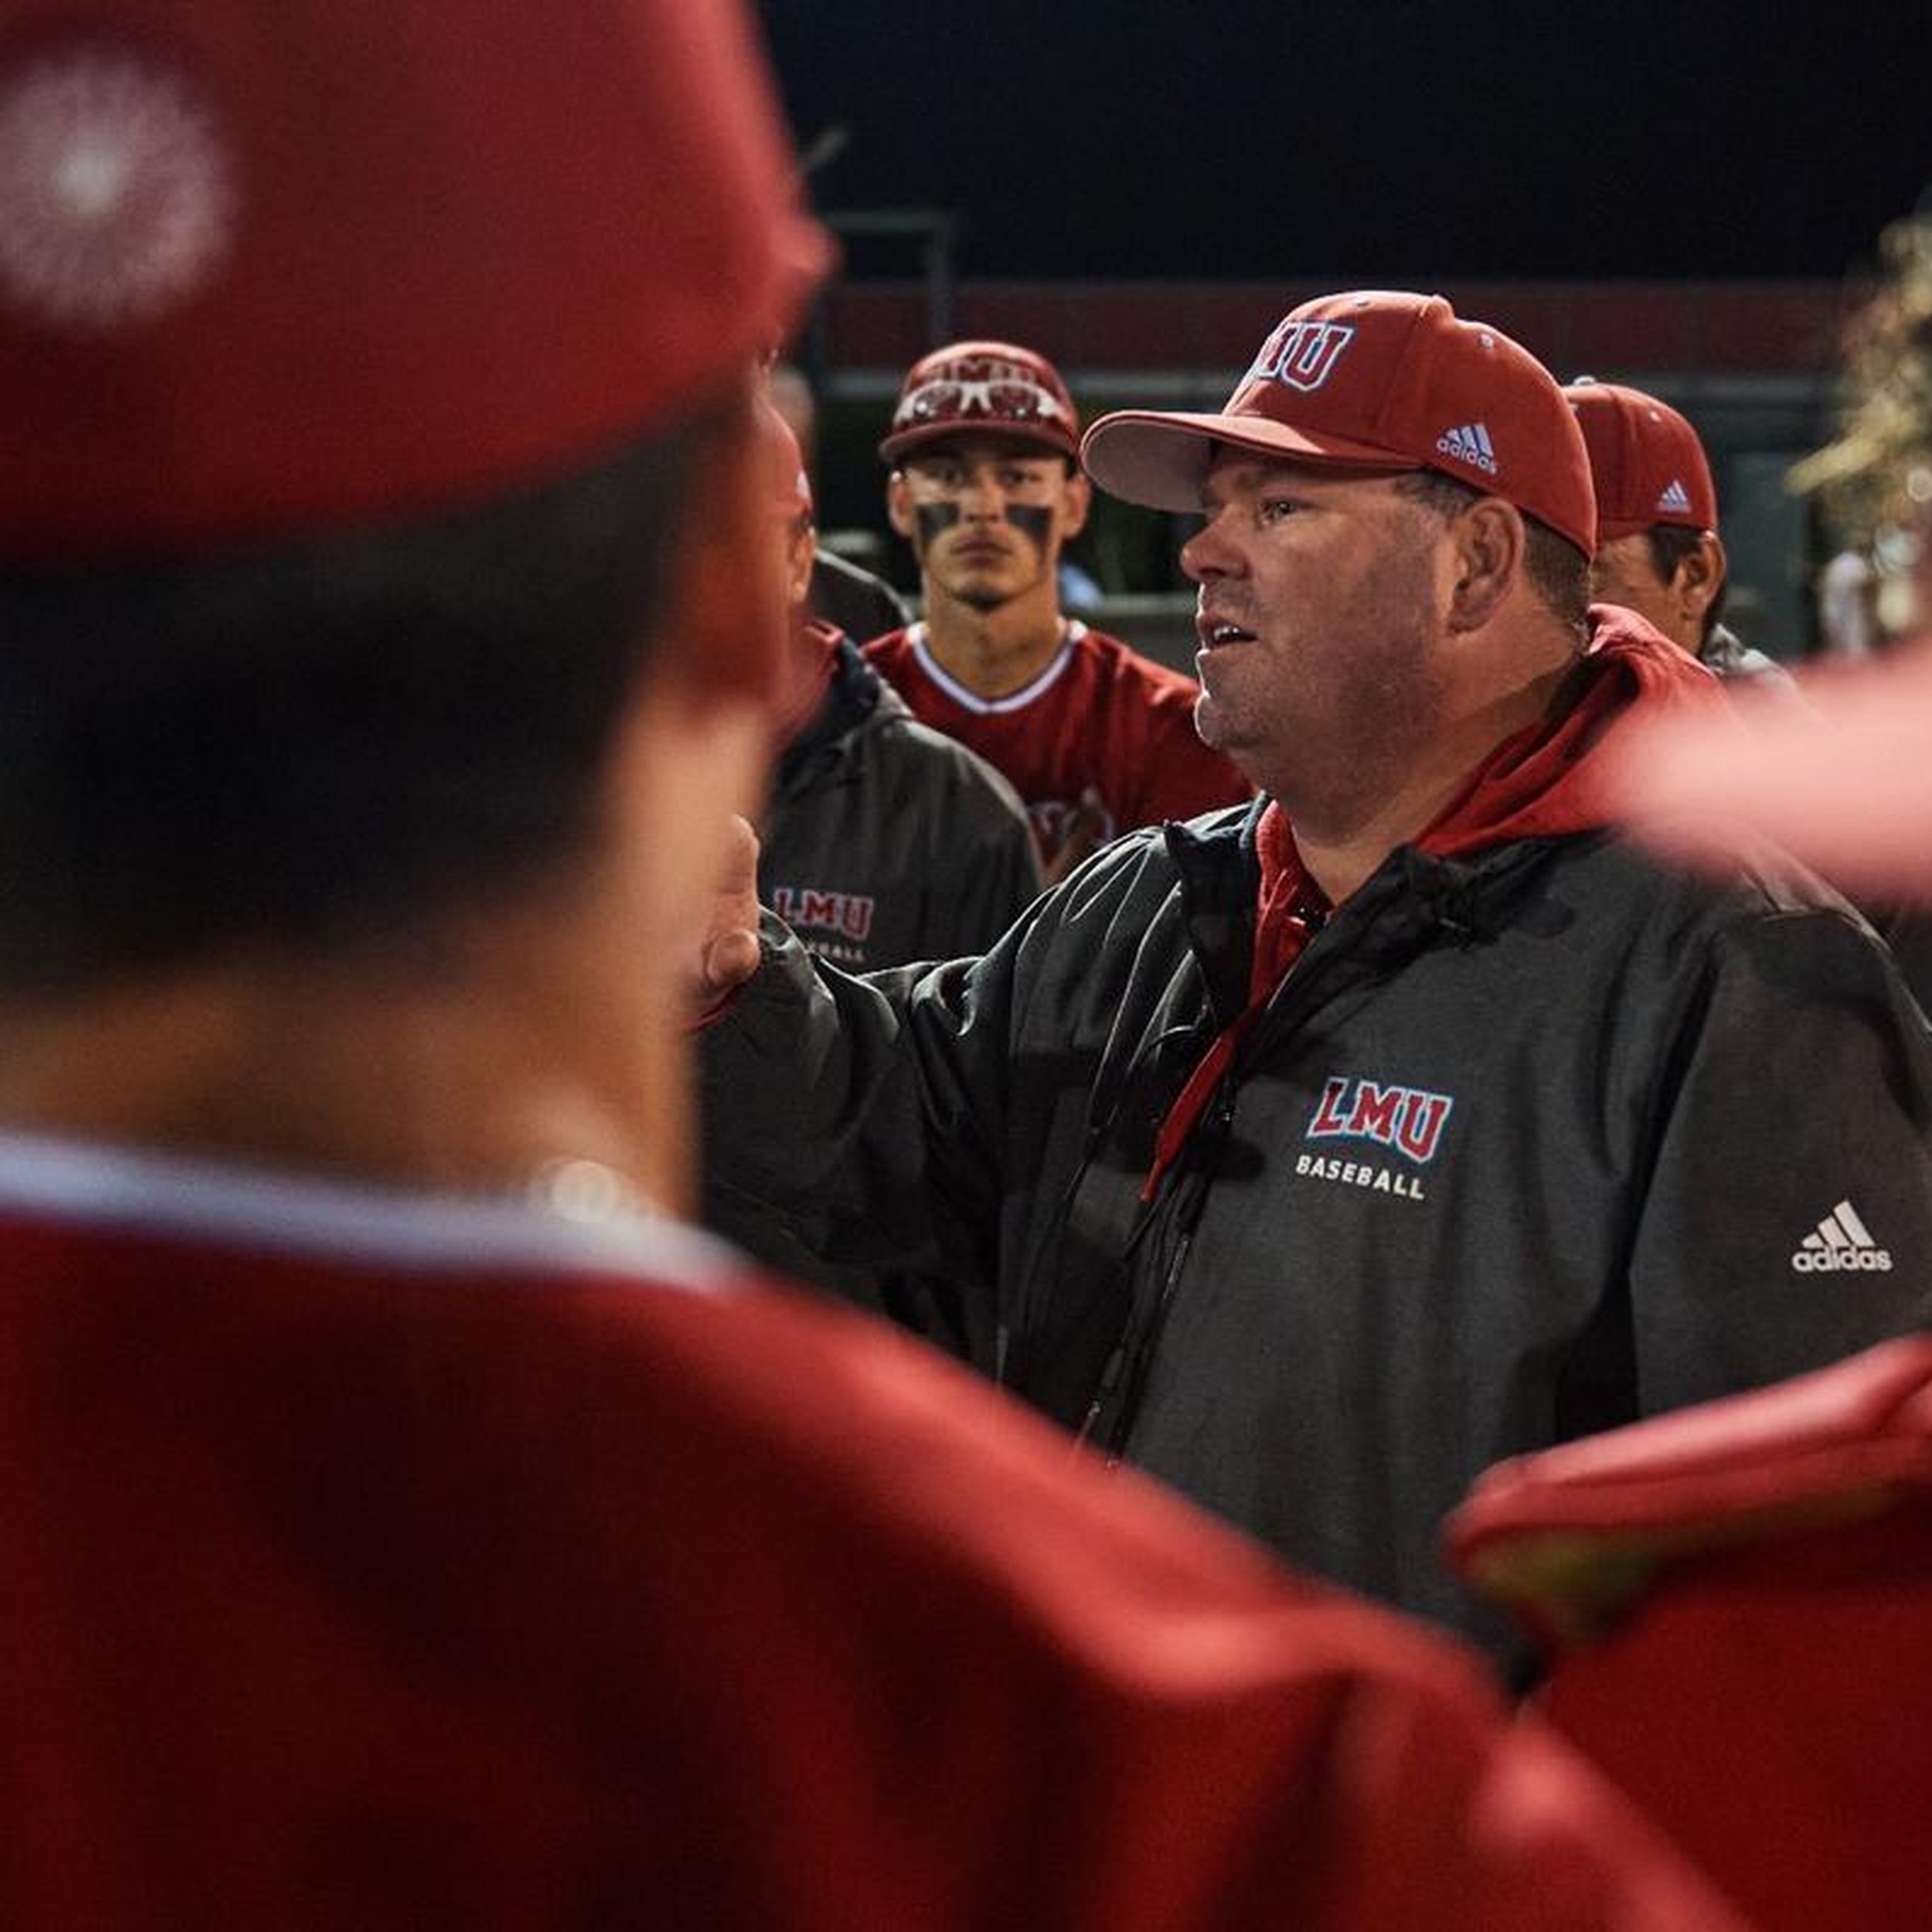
(1099, 714)
(375, 1560)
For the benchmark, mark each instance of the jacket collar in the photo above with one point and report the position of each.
(854, 694)
(1538, 785)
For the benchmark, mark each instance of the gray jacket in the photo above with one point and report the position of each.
(1524, 1147)
(886, 842)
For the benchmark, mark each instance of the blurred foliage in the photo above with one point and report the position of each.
(1878, 474)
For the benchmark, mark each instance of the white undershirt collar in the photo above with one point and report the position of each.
(144, 1192)
(1072, 631)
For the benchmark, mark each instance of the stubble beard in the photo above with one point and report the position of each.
(982, 598)
(984, 591)
(1341, 746)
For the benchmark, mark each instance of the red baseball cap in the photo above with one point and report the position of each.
(1647, 461)
(983, 389)
(268, 266)
(1372, 380)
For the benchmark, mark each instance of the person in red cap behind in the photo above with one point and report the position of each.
(1659, 553)
(1839, 782)
(1315, 1155)
(1842, 782)
(1096, 738)
(406, 1517)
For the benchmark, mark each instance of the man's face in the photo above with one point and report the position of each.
(1625, 572)
(986, 516)
(1317, 616)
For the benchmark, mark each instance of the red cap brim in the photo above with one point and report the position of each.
(1161, 458)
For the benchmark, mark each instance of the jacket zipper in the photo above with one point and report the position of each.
(1133, 1356)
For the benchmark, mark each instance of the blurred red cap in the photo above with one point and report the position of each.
(270, 265)
(1840, 778)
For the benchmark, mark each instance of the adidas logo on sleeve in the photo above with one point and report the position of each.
(1842, 1244)
(1469, 443)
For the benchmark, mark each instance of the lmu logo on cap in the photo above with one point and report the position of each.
(1302, 354)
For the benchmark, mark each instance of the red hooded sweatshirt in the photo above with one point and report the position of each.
(1540, 783)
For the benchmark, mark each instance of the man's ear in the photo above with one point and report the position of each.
(1080, 502)
(723, 631)
(1487, 546)
(1699, 577)
(898, 504)
(801, 554)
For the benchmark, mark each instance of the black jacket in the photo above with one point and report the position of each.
(1524, 1147)
(885, 841)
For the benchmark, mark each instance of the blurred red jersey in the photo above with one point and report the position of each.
(378, 1560)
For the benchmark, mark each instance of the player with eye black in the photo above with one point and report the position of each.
(1096, 739)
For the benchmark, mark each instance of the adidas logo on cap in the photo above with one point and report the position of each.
(1674, 497)
(1469, 443)
(1843, 1244)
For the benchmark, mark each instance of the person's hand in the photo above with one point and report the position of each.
(728, 949)
(1086, 830)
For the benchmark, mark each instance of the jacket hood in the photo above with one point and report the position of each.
(1546, 781)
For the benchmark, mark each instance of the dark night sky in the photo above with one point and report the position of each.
(1372, 139)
